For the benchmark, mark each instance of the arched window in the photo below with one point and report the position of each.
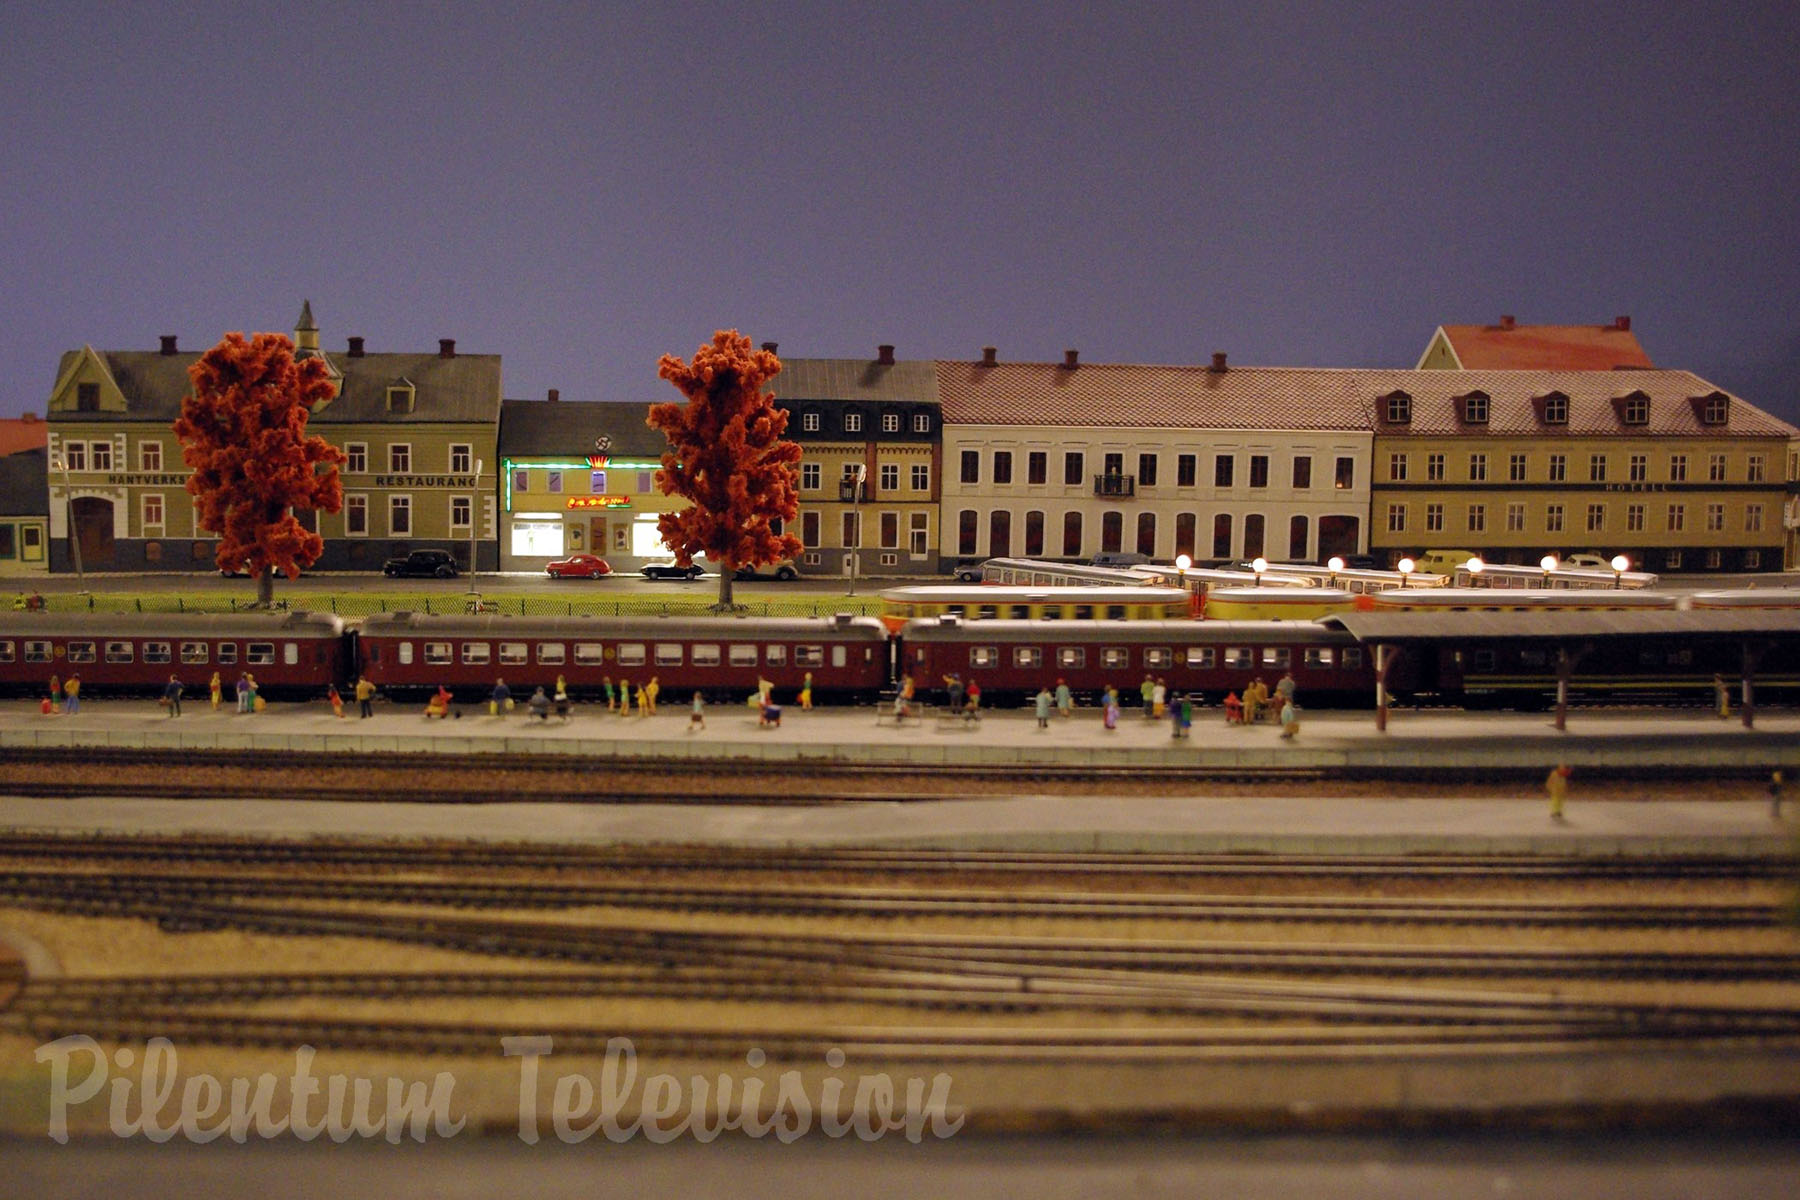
(1112, 532)
(1146, 534)
(1297, 531)
(1071, 535)
(1034, 534)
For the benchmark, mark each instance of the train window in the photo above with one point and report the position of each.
(1115, 658)
(987, 612)
(38, 652)
(156, 652)
(1318, 656)
(1021, 612)
(6, 651)
(984, 656)
(740, 655)
(589, 654)
(1484, 662)
(477, 652)
(193, 653)
(668, 654)
(514, 654)
(552, 654)
(955, 610)
(228, 652)
(1201, 657)
(1115, 612)
(1535, 660)
(119, 652)
(1275, 658)
(1681, 658)
(259, 654)
(775, 656)
(838, 656)
(403, 653)
(438, 654)
(1050, 612)
(631, 654)
(1071, 658)
(290, 653)
(1029, 657)
(81, 652)
(1158, 658)
(1084, 612)
(1239, 658)
(706, 654)
(809, 656)
(1352, 658)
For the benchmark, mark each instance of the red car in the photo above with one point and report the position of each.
(577, 566)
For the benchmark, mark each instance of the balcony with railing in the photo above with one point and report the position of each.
(1117, 486)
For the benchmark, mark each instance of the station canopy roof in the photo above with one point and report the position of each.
(1394, 627)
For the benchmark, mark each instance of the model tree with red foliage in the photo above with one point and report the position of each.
(726, 457)
(243, 431)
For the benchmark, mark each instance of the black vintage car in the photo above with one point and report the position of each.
(436, 563)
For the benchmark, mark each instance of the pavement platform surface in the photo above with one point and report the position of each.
(1118, 815)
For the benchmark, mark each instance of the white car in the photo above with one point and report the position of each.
(1586, 561)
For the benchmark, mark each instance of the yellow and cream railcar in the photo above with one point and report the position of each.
(998, 602)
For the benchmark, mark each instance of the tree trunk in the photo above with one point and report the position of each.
(265, 588)
(725, 579)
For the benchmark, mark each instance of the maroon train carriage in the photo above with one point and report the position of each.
(723, 657)
(1012, 659)
(291, 654)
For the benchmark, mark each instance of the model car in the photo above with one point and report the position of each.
(783, 570)
(578, 566)
(437, 563)
(668, 568)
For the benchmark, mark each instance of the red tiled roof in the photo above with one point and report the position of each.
(27, 433)
(1545, 347)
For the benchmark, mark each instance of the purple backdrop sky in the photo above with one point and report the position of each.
(582, 187)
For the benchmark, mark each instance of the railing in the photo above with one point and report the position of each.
(1115, 485)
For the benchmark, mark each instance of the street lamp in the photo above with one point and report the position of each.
(1474, 567)
(1620, 565)
(1406, 567)
(862, 472)
(62, 464)
(1334, 564)
(1259, 565)
(1183, 562)
(1548, 562)
(474, 522)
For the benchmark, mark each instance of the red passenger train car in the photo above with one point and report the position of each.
(719, 656)
(291, 654)
(1013, 659)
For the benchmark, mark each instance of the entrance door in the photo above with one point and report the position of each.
(94, 529)
(1338, 536)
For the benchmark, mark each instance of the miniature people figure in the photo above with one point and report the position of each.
(903, 701)
(765, 691)
(216, 687)
(1109, 709)
(1290, 721)
(331, 694)
(500, 702)
(72, 689)
(243, 692)
(562, 697)
(1159, 699)
(1043, 707)
(172, 696)
(1234, 709)
(624, 697)
(974, 698)
(1184, 716)
(770, 714)
(256, 700)
(1065, 700)
(954, 685)
(439, 704)
(1557, 784)
(1147, 693)
(647, 698)
(607, 684)
(1722, 694)
(1775, 795)
(806, 693)
(1253, 701)
(365, 693)
(1284, 687)
(56, 692)
(697, 713)
(539, 704)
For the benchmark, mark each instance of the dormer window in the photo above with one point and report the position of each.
(1634, 409)
(1714, 409)
(87, 397)
(852, 422)
(809, 422)
(1396, 408)
(1553, 408)
(1474, 408)
(401, 396)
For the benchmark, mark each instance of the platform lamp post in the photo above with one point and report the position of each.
(62, 464)
(474, 524)
(1474, 567)
(1335, 565)
(854, 485)
(1620, 565)
(1548, 563)
(1406, 567)
(1259, 565)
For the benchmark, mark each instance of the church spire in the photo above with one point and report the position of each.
(306, 333)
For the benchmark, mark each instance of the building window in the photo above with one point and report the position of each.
(1073, 467)
(399, 458)
(1112, 532)
(1223, 468)
(1475, 408)
(1002, 466)
(400, 398)
(1515, 468)
(461, 513)
(1638, 468)
(1259, 470)
(809, 529)
(1302, 473)
(1434, 468)
(399, 515)
(1677, 518)
(852, 422)
(597, 483)
(1515, 518)
(1714, 560)
(1298, 536)
(890, 422)
(1397, 468)
(921, 423)
(1037, 468)
(921, 477)
(75, 455)
(1399, 408)
(1221, 547)
(553, 481)
(1346, 473)
(1596, 518)
(1146, 475)
(971, 468)
(150, 456)
(809, 422)
(462, 458)
(1071, 535)
(1434, 518)
(851, 529)
(356, 516)
(1753, 560)
(1715, 410)
(1672, 560)
(1556, 409)
(102, 454)
(87, 397)
(1034, 535)
(1553, 518)
(1559, 468)
(889, 474)
(1635, 410)
(1715, 467)
(1396, 518)
(1634, 518)
(1753, 469)
(356, 458)
(1113, 464)
(1477, 468)
(968, 528)
(153, 513)
(1146, 534)
(1185, 532)
(1477, 518)
(1715, 518)
(919, 533)
(1596, 468)
(1185, 465)
(1677, 468)
(1753, 517)
(809, 476)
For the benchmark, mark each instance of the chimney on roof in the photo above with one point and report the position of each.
(1622, 324)
(555, 395)
(1071, 359)
(356, 347)
(884, 355)
(1218, 363)
(168, 343)
(990, 356)
(771, 347)
(29, 418)
(446, 347)
(1507, 322)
